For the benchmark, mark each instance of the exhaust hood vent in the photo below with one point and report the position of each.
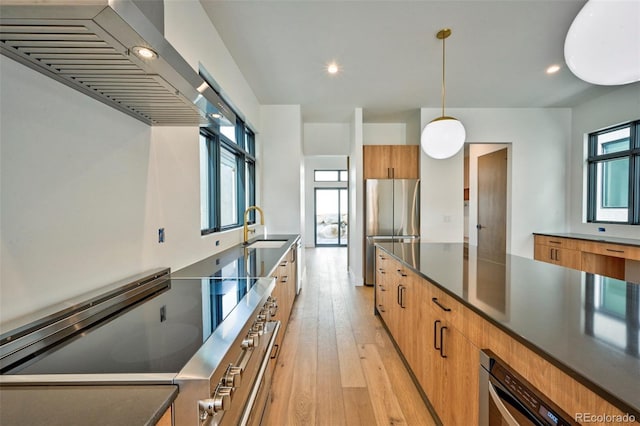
(91, 46)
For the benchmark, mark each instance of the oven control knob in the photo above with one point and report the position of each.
(263, 316)
(232, 377)
(219, 402)
(258, 327)
(272, 307)
(251, 340)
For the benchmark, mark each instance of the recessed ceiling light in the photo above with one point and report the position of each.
(553, 69)
(332, 68)
(144, 52)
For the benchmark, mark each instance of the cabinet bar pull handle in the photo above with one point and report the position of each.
(274, 352)
(442, 329)
(402, 289)
(284, 279)
(444, 308)
(382, 287)
(615, 251)
(381, 271)
(555, 242)
(381, 308)
(398, 294)
(435, 334)
(382, 257)
(401, 273)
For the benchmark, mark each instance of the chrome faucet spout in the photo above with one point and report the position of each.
(246, 220)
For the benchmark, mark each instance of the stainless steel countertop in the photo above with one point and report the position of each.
(557, 312)
(120, 405)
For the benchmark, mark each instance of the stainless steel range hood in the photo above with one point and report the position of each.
(89, 45)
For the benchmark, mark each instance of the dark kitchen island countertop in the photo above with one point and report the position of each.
(585, 324)
(135, 405)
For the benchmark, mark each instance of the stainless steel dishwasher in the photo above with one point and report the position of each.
(507, 399)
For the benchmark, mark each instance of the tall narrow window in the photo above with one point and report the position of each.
(614, 175)
(227, 178)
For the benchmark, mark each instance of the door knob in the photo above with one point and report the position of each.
(478, 226)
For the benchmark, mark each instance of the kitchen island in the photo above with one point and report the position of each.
(574, 329)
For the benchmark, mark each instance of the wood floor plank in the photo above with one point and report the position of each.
(357, 407)
(383, 399)
(351, 374)
(338, 365)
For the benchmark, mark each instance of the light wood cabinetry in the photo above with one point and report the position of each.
(284, 291)
(165, 420)
(559, 251)
(440, 339)
(451, 364)
(391, 161)
(597, 257)
(423, 326)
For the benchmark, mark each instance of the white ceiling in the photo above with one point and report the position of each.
(390, 59)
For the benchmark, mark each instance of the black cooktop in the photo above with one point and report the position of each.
(156, 335)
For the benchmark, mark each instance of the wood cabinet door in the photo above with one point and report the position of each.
(460, 371)
(569, 258)
(377, 161)
(405, 161)
(542, 253)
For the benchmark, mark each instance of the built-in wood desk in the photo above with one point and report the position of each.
(609, 256)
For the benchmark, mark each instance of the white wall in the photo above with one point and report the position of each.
(384, 134)
(82, 200)
(190, 31)
(84, 188)
(281, 144)
(621, 106)
(318, 163)
(539, 138)
(356, 198)
(326, 139)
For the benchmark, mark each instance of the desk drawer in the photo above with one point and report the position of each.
(614, 250)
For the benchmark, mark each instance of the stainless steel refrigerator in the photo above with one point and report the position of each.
(392, 214)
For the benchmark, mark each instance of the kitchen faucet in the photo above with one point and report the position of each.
(246, 221)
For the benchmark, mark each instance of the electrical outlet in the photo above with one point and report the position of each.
(601, 229)
(217, 243)
(161, 235)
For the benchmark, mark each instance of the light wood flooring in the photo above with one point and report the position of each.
(338, 365)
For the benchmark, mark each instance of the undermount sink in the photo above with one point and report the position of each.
(267, 244)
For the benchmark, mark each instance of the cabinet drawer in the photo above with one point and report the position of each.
(568, 243)
(614, 250)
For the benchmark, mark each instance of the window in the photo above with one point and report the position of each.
(227, 176)
(614, 175)
(330, 175)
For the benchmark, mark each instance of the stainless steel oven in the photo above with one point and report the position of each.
(507, 399)
(213, 337)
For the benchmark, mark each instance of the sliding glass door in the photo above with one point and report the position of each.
(331, 216)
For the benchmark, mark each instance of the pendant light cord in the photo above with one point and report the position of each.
(443, 82)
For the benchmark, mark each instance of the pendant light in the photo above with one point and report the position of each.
(443, 136)
(603, 43)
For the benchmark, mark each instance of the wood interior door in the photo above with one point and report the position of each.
(492, 205)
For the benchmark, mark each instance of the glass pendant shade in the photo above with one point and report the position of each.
(442, 138)
(603, 43)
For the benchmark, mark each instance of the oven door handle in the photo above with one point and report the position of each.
(506, 415)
